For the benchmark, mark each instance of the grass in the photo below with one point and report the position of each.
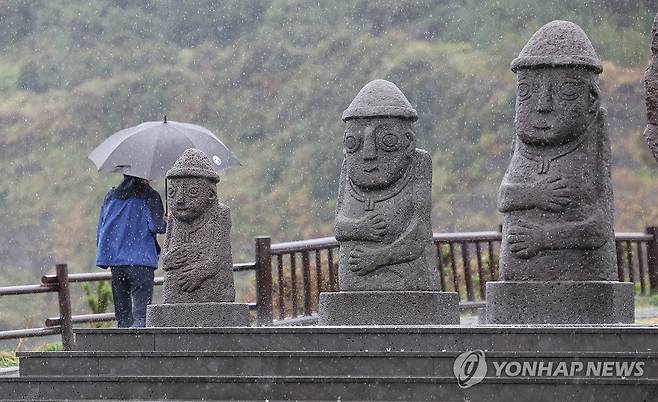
(646, 301)
(50, 347)
(8, 359)
(653, 300)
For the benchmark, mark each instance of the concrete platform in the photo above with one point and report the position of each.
(622, 338)
(316, 364)
(582, 363)
(325, 388)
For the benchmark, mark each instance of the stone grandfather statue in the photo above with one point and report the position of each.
(384, 197)
(556, 197)
(387, 266)
(197, 249)
(198, 285)
(651, 87)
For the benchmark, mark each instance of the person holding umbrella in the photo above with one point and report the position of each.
(131, 216)
(132, 213)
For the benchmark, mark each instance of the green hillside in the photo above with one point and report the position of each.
(271, 79)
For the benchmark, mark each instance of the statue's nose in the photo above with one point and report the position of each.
(369, 146)
(545, 101)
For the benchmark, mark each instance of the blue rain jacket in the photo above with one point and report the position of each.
(130, 217)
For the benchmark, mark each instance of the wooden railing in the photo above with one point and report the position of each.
(296, 293)
(290, 277)
(63, 324)
(300, 270)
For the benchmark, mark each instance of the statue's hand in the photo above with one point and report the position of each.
(191, 278)
(362, 260)
(176, 258)
(554, 194)
(373, 227)
(525, 240)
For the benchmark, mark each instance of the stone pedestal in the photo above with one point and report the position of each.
(560, 302)
(198, 315)
(389, 308)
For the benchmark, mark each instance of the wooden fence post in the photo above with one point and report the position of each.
(263, 281)
(652, 258)
(64, 297)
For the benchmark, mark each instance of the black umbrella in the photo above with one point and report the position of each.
(150, 149)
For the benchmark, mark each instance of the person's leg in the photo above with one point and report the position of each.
(142, 293)
(121, 297)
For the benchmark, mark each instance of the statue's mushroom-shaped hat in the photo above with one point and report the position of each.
(193, 163)
(558, 43)
(380, 98)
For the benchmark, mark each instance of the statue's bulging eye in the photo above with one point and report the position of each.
(171, 191)
(569, 90)
(351, 143)
(390, 141)
(523, 91)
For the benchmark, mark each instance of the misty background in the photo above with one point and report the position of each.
(271, 79)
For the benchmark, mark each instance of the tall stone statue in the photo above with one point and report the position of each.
(198, 285)
(384, 197)
(387, 266)
(651, 87)
(558, 260)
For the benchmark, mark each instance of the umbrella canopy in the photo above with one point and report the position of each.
(150, 149)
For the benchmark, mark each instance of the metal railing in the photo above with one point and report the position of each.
(290, 277)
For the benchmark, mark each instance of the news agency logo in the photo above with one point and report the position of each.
(470, 368)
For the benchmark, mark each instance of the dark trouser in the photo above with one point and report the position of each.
(132, 290)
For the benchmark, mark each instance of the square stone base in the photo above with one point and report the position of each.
(569, 302)
(389, 308)
(198, 315)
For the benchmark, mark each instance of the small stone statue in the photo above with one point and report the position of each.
(651, 87)
(387, 266)
(557, 258)
(384, 197)
(556, 196)
(197, 249)
(198, 284)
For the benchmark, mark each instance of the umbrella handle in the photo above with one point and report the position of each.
(166, 199)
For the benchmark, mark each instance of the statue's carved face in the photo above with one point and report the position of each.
(554, 105)
(190, 197)
(378, 150)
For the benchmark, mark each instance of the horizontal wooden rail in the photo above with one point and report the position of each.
(467, 236)
(100, 317)
(77, 278)
(30, 332)
(244, 266)
(303, 245)
(633, 236)
(26, 289)
(82, 319)
(106, 276)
